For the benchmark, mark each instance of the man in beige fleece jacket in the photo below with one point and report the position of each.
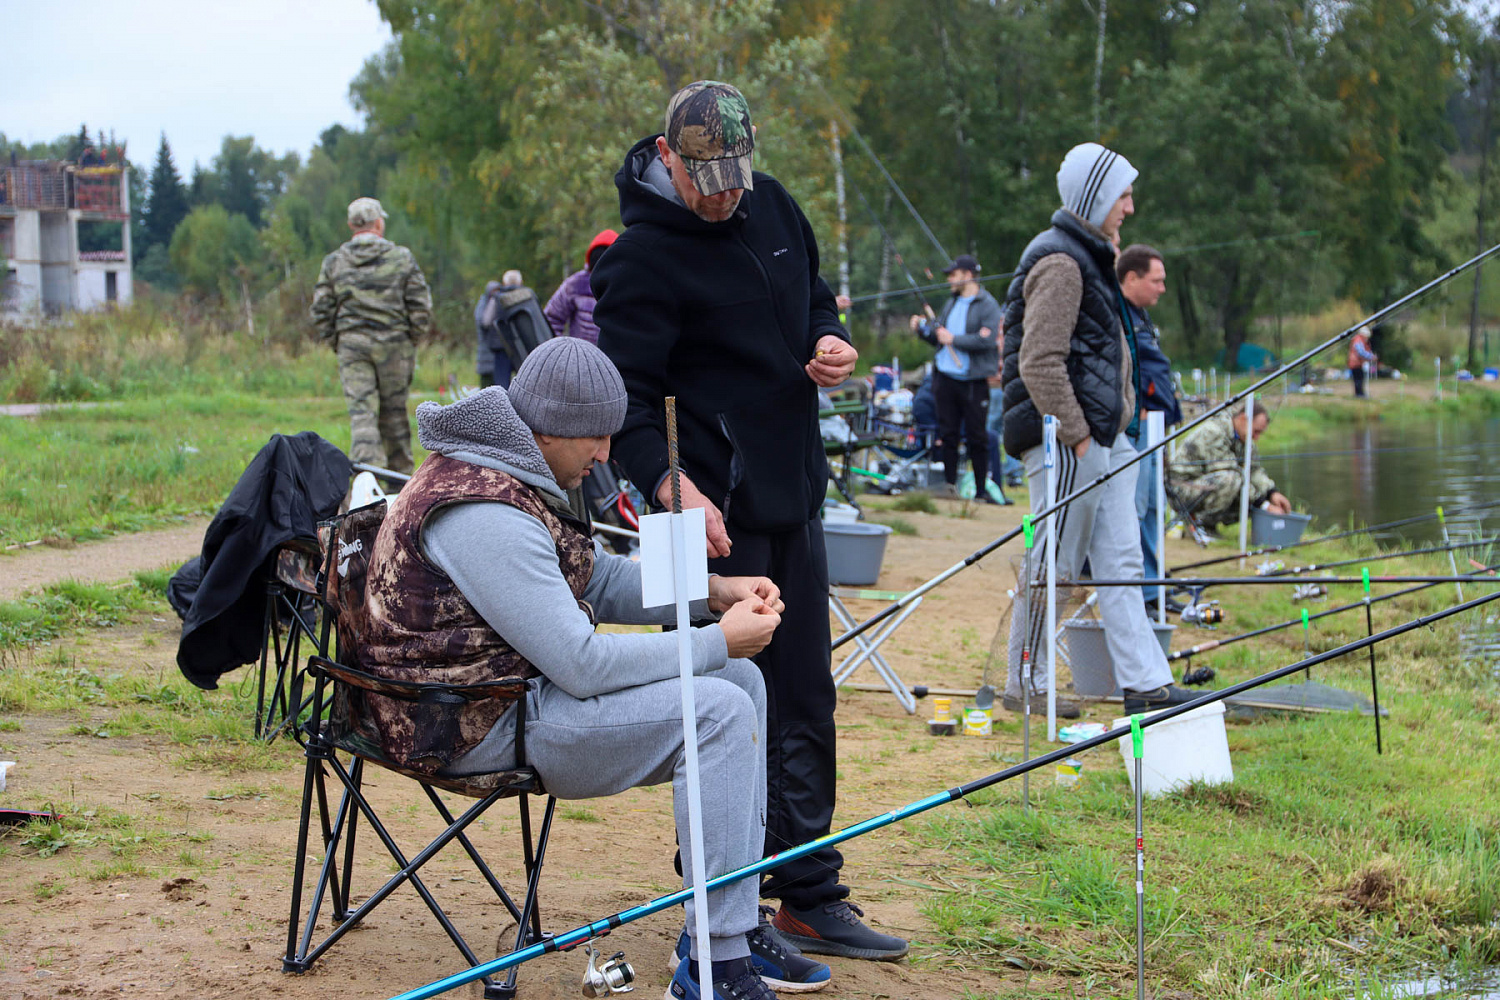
(1069, 352)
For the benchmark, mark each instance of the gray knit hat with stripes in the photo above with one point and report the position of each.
(1091, 179)
(569, 388)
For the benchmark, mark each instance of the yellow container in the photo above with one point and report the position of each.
(977, 722)
(942, 709)
(1068, 772)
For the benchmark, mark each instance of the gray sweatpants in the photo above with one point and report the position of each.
(1101, 526)
(591, 747)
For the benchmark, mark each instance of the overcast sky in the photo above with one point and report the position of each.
(195, 69)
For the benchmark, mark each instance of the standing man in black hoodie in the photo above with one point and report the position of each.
(712, 294)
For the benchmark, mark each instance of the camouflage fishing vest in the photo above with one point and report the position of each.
(418, 626)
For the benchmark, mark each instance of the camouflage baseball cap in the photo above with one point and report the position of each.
(708, 125)
(363, 211)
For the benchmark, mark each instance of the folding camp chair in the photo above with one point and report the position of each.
(341, 740)
(867, 647)
(291, 600)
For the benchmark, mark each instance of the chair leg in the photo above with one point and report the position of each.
(529, 926)
(474, 855)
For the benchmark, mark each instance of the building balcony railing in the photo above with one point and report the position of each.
(55, 186)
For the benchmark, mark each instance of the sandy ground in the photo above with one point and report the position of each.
(104, 561)
(204, 910)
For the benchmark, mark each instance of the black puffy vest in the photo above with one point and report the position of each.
(1094, 361)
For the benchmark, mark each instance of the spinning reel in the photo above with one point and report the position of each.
(1197, 611)
(1309, 592)
(614, 976)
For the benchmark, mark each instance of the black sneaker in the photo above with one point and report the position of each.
(835, 929)
(1065, 708)
(1163, 697)
(1004, 501)
(739, 983)
(781, 965)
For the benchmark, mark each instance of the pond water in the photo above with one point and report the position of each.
(1389, 470)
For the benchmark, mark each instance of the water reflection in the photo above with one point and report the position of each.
(1385, 471)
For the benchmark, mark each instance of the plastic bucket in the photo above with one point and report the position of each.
(1276, 529)
(1088, 655)
(1191, 747)
(855, 552)
(840, 513)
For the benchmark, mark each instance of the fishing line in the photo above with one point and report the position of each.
(586, 932)
(979, 554)
(1314, 567)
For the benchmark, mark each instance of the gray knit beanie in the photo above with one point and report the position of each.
(569, 388)
(1091, 179)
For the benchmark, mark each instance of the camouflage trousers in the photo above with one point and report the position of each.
(376, 374)
(1212, 499)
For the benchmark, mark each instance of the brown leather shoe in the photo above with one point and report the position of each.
(1066, 709)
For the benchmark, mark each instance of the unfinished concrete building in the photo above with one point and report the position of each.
(64, 237)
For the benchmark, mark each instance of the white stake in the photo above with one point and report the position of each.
(1245, 486)
(1156, 428)
(680, 579)
(1049, 452)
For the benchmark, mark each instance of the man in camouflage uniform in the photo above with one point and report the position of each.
(1205, 477)
(371, 303)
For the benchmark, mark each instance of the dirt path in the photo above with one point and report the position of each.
(100, 562)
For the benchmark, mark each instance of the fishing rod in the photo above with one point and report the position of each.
(578, 935)
(896, 253)
(1166, 250)
(969, 560)
(849, 123)
(1314, 567)
(1229, 581)
(1204, 647)
(1367, 530)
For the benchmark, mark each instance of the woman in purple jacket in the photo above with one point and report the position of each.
(570, 311)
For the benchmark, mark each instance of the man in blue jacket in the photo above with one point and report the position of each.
(1143, 281)
(712, 294)
(967, 336)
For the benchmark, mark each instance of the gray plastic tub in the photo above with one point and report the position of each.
(1088, 655)
(1276, 529)
(855, 552)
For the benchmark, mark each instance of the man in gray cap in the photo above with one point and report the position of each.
(371, 303)
(1070, 352)
(482, 568)
(713, 295)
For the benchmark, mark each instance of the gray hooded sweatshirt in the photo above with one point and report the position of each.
(505, 562)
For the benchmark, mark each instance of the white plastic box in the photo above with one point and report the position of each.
(1191, 747)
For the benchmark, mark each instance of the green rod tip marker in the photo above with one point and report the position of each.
(1028, 529)
(1365, 575)
(1137, 738)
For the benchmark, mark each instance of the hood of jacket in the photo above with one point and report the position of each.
(485, 429)
(647, 195)
(365, 249)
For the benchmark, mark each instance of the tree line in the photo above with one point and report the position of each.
(1292, 152)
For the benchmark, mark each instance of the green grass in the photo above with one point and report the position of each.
(1321, 864)
(68, 607)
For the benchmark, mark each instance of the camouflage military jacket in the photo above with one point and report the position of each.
(1214, 447)
(419, 627)
(373, 286)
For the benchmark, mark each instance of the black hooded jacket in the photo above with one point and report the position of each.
(292, 483)
(723, 315)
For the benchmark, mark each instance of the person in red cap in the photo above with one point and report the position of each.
(570, 311)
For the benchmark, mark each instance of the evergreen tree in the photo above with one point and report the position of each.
(166, 204)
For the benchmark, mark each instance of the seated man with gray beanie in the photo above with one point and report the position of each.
(1070, 352)
(483, 568)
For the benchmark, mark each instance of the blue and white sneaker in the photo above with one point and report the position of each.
(781, 965)
(740, 983)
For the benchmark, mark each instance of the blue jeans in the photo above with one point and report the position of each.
(1145, 510)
